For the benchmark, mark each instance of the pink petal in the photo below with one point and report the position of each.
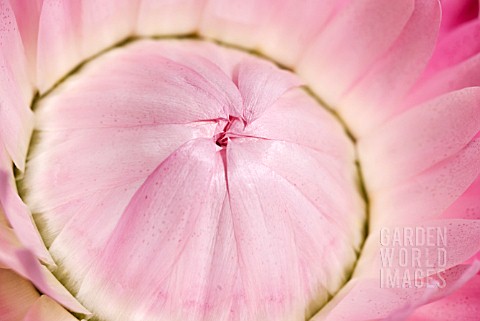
(267, 25)
(238, 22)
(461, 242)
(329, 178)
(76, 225)
(457, 12)
(58, 36)
(455, 277)
(45, 309)
(261, 85)
(27, 14)
(454, 65)
(283, 28)
(278, 249)
(462, 305)
(15, 90)
(187, 94)
(176, 245)
(365, 300)
(358, 36)
(190, 53)
(16, 296)
(12, 54)
(462, 75)
(69, 204)
(377, 95)
(420, 138)
(285, 122)
(216, 68)
(18, 214)
(73, 31)
(468, 205)
(265, 177)
(456, 47)
(23, 262)
(138, 148)
(169, 17)
(98, 17)
(430, 193)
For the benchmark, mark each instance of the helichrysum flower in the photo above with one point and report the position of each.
(239, 160)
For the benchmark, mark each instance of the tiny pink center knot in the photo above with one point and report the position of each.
(227, 130)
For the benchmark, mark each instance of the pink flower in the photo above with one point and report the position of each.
(192, 179)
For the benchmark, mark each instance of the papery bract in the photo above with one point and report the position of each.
(180, 180)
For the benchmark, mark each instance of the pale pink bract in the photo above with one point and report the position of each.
(189, 179)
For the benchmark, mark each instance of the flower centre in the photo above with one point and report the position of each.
(228, 129)
(180, 180)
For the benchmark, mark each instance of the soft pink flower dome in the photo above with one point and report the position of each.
(241, 160)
